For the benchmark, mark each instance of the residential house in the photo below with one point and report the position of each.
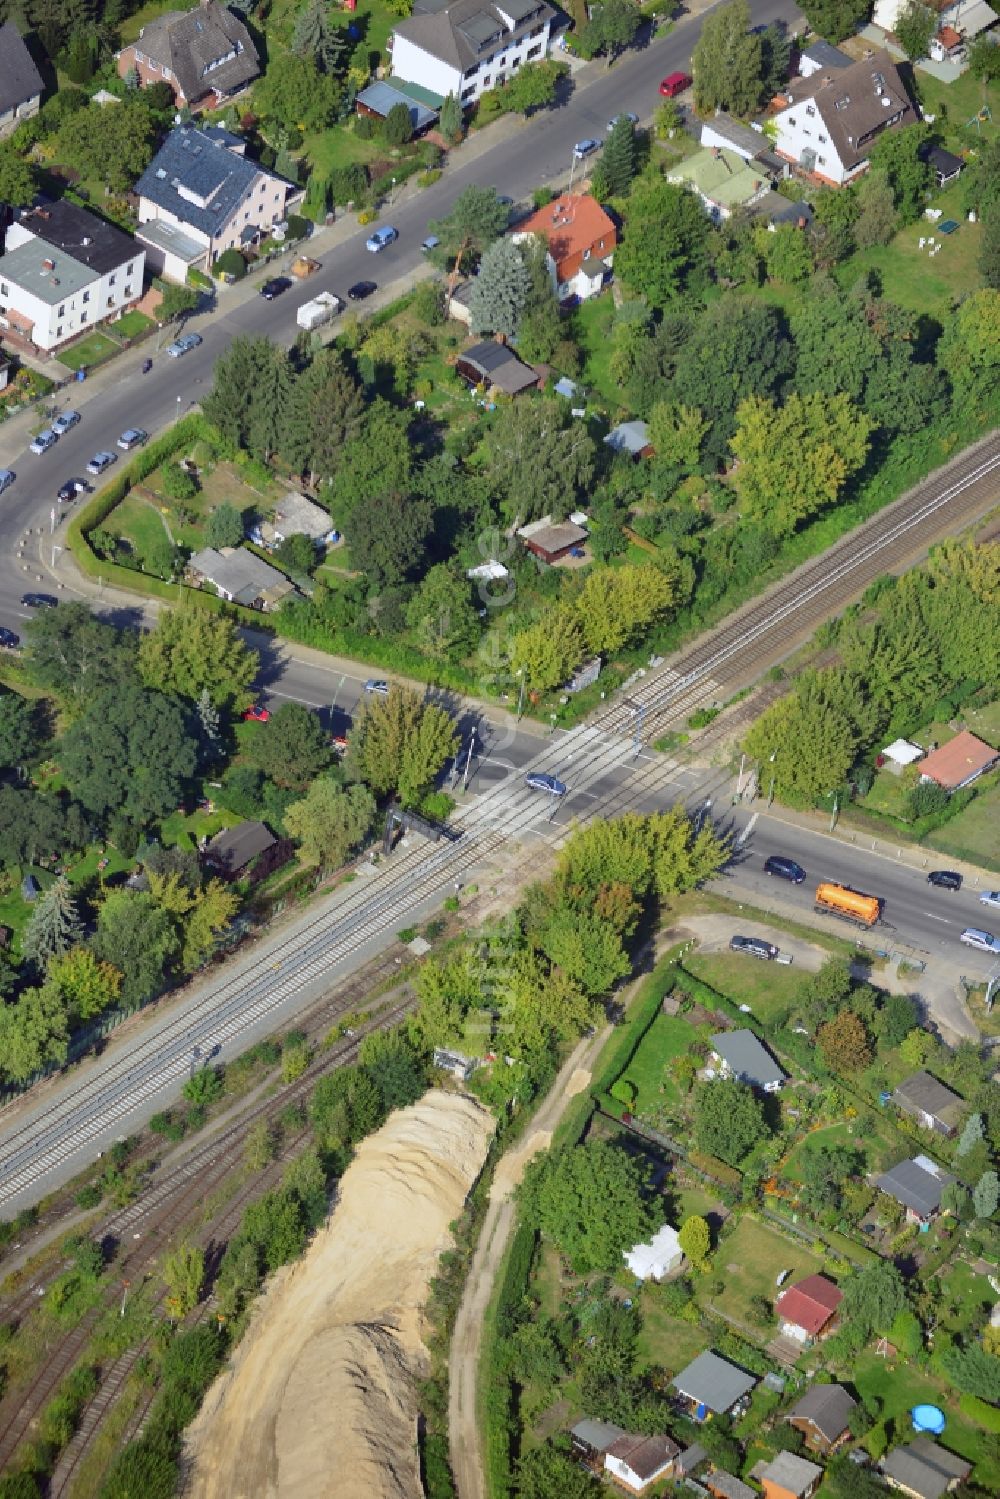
(201, 195)
(789, 1476)
(917, 1185)
(249, 851)
(20, 81)
(380, 97)
(64, 271)
(294, 515)
(723, 1485)
(830, 121)
(496, 367)
(723, 179)
(634, 1462)
(240, 577)
(923, 1469)
(823, 1416)
(712, 1385)
(822, 57)
(631, 438)
(459, 301)
(806, 1310)
(657, 1259)
(930, 1103)
(592, 1439)
(959, 762)
(580, 239)
(468, 46)
(727, 134)
(554, 541)
(959, 22)
(205, 54)
(774, 211)
(739, 1054)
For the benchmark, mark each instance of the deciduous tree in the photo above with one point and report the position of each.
(75, 654)
(191, 651)
(183, 1272)
(915, 26)
(18, 183)
(728, 62)
(844, 1044)
(970, 349)
(873, 1297)
(807, 748)
(291, 747)
(294, 93)
(330, 821)
(539, 460)
(836, 19)
(399, 743)
(664, 240)
(87, 985)
(114, 146)
(135, 936)
(829, 435)
(587, 949)
(131, 751)
(225, 526)
(441, 615)
(617, 606)
(389, 536)
(33, 1033)
(590, 1201)
(728, 1119)
(695, 1240)
(548, 652)
(898, 153)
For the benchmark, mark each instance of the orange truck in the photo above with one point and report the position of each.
(851, 905)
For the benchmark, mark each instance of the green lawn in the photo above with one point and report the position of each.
(749, 1261)
(900, 1387)
(131, 324)
(834, 1134)
(768, 990)
(669, 1036)
(666, 1340)
(186, 830)
(592, 330)
(95, 348)
(888, 797)
(136, 521)
(985, 721)
(910, 277)
(339, 147)
(972, 834)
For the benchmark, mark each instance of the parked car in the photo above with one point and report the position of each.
(132, 437)
(39, 601)
(784, 869)
(65, 421)
(985, 941)
(7, 477)
(381, 689)
(430, 243)
(626, 114)
(44, 441)
(586, 147)
(674, 84)
(361, 289)
(256, 713)
(275, 287)
(69, 491)
(381, 238)
(990, 898)
(183, 345)
(539, 781)
(945, 879)
(8, 639)
(100, 462)
(755, 946)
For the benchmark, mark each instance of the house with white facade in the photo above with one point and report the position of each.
(959, 22)
(20, 81)
(579, 238)
(201, 195)
(63, 271)
(832, 120)
(464, 47)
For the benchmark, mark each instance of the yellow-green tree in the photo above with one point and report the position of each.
(549, 651)
(192, 650)
(677, 432)
(695, 1240)
(796, 458)
(618, 604)
(183, 1271)
(399, 743)
(806, 746)
(85, 983)
(330, 821)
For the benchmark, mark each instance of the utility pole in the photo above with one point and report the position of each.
(468, 761)
(770, 794)
(520, 695)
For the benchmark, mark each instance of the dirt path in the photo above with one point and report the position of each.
(463, 1363)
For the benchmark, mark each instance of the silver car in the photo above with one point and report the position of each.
(183, 345)
(44, 441)
(100, 462)
(64, 421)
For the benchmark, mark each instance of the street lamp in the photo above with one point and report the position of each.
(552, 721)
(771, 758)
(836, 808)
(520, 696)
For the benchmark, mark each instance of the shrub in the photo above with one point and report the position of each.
(298, 227)
(984, 1415)
(177, 483)
(428, 178)
(230, 263)
(89, 1196)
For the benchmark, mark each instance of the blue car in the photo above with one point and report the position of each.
(538, 781)
(381, 238)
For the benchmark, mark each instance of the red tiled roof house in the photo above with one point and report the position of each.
(807, 1309)
(959, 762)
(581, 240)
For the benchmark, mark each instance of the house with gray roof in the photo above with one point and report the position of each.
(929, 1102)
(21, 83)
(923, 1469)
(631, 438)
(822, 57)
(918, 1186)
(725, 132)
(249, 851)
(823, 1416)
(240, 577)
(788, 1476)
(713, 1384)
(739, 1054)
(380, 97)
(496, 367)
(294, 515)
(464, 47)
(592, 1438)
(206, 55)
(200, 195)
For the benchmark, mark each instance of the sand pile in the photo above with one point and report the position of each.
(319, 1399)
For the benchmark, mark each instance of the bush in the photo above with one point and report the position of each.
(89, 1196)
(177, 483)
(428, 178)
(230, 263)
(298, 227)
(348, 184)
(366, 127)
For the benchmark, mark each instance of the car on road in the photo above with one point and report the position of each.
(674, 84)
(586, 147)
(381, 238)
(100, 462)
(8, 639)
(539, 781)
(64, 421)
(985, 941)
(275, 287)
(361, 289)
(132, 437)
(990, 898)
(381, 689)
(626, 114)
(7, 477)
(39, 601)
(784, 869)
(183, 345)
(945, 879)
(44, 441)
(69, 491)
(430, 243)
(756, 947)
(256, 713)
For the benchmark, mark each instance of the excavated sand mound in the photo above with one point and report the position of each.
(319, 1397)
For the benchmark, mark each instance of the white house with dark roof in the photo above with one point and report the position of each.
(464, 47)
(832, 119)
(200, 195)
(20, 81)
(205, 54)
(740, 1055)
(64, 271)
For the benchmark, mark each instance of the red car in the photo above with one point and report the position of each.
(674, 84)
(257, 714)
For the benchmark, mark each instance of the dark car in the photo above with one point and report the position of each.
(361, 289)
(539, 781)
(71, 489)
(8, 639)
(945, 879)
(274, 287)
(755, 946)
(39, 601)
(784, 869)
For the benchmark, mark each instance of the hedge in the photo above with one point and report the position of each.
(710, 1165)
(985, 1415)
(497, 1391)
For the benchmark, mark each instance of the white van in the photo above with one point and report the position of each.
(985, 941)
